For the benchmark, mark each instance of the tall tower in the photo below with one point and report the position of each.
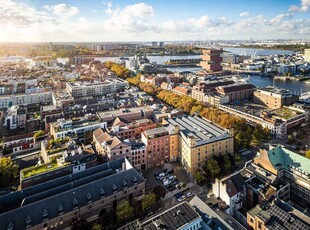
(212, 60)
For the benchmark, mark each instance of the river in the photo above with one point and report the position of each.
(259, 81)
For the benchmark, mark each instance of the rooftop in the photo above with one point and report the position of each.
(279, 215)
(174, 218)
(156, 132)
(63, 194)
(200, 129)
(285, 113)
(281, 157)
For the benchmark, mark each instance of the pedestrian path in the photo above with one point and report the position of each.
(171, 194)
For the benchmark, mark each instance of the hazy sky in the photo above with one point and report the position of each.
(128, 20)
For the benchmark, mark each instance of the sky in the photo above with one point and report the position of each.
(156, 20)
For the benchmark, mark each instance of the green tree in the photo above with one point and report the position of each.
(199, 177)
(213, 166)
(8, 171)
(148, 200)
(227, 163)
(308, 154)
(123, 210)
(38, 134)
(237, 158)
(96, 226)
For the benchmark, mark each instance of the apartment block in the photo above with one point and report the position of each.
(274, 97)
(85, 89)
(157, 142)
(200, 139)
(25, 99)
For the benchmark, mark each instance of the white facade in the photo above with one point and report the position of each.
(79, 89)
(25, 99)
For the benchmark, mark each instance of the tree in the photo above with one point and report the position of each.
(96, 226)
(213, 166)
(38, 134)
(123, 210)
(199, 177)
(148, 200)
(159, 192)
(237, 158)
(227, 163)
(8, 171)
(308, 154)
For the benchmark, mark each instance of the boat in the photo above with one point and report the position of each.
(308, 81)
(305, 97)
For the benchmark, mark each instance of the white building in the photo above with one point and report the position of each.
(25, 99)
(63, 128)
(81, 89)
(231, 190)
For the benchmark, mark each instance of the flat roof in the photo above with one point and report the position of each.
(155, 131)
(199, 128)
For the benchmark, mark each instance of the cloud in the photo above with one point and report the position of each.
(244, 14)
(132, 18)
(304, 6)
(280, 18)
(22, 22)
(62, 10)
(20, 14)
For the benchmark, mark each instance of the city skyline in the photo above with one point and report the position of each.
(68, 20)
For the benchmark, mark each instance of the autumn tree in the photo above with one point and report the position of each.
(308, 154)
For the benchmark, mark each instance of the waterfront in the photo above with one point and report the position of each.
(257, 80)
(295, 86)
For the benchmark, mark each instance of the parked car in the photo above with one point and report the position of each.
(182, 198)
(189, 194)
(178, 195)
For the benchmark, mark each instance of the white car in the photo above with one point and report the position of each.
(182, 198)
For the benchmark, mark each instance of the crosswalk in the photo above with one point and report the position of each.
(190, 184)
(172, 193)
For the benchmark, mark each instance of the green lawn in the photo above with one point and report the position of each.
(28, 172)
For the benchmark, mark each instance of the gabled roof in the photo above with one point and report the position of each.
(101, 136)
(234, 184)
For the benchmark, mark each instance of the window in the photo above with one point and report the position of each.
(45, 214)
(28, 221)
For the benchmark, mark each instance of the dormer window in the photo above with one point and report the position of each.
(60, 208)
(134, 179)
(102, 192)
(10, 226)
(75, 202)
(28, 221)
(125, 183)
(114, 187)
(89, 197)
(45, 214)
